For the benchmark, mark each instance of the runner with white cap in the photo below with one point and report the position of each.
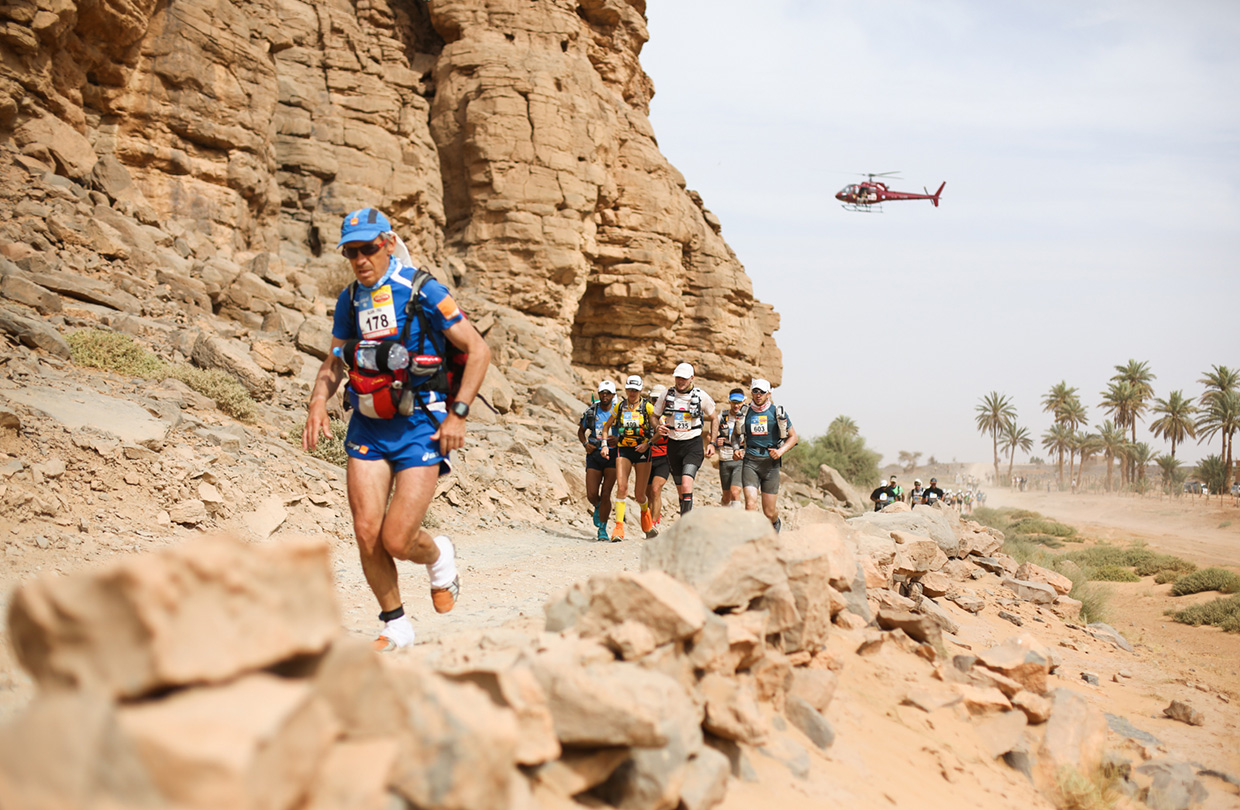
(691, 409)
(766, 434)
(634, 420)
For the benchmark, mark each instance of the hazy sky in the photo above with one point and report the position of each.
(1092, 211)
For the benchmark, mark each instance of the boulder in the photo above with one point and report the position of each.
(354, 775)
(732, 710)
(314, 336)
(609, 704)
(89, 289)
(668, 608)
(66, 749)
(706, 782)
(558, 400)
(810, 721)
(925, 521)
(830, 481)
(33, 333)
(1035, 592)
(1036, 573)
(136, 626)
(1022, 658)
(234, 357)
(916, 555)
(254, 742)
(1075, 737)
(24, 291)
(727, 556)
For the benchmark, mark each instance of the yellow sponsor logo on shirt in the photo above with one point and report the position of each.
(381, 296)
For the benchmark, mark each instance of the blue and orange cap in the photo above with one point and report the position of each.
(363, 225)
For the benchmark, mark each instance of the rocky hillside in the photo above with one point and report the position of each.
(187, 159)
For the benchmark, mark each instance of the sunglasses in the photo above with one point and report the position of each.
(365, 250)
(756, 391)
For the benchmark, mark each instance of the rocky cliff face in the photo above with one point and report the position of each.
(508, 140)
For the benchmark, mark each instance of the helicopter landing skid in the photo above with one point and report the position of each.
(870, 208)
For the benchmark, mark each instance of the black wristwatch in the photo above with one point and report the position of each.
(459, 408)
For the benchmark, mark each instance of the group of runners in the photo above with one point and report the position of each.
(668, 433)
(890, 491)
(414, 364)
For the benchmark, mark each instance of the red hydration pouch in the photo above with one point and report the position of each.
(381, 396)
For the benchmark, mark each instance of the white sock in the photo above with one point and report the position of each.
(443, 570)
(399, 631)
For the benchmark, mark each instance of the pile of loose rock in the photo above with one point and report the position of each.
(213, 674)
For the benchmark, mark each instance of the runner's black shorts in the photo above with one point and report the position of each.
(730, 474)
(595, 461)
(631, 454)
(685, 457)
(660, 467)
(761, 472)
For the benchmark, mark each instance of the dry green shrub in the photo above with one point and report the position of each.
(1207, 579)
(330, 450)
(1112, 573)
(1097, 791)
(1102, 554)
(230, 395)
(114, 351)
(1160, 563)
(1222, 612)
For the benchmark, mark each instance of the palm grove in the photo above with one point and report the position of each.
(1128, 399)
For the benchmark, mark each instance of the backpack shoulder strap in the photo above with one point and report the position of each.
(413, 309)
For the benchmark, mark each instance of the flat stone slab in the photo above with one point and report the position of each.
(77, 409)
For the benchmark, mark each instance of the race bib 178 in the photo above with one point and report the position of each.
(378, 320)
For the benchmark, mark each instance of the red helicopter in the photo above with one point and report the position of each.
(869, 195)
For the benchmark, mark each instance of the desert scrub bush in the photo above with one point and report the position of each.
(1048, 540)
(1023, 550)
(1077, 791)
(330, 450)
(1207, 579)
(1102, 554)
(230, 395)
(114, 351)
(1160, 563)
(1222, 612)
(1041, 525)
(1112, 573)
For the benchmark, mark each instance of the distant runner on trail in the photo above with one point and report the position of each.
(600, 469)
(765, 433)
(730, 459)
(660, 469)
(691, 409)
(635, 426)
(402, 427)
(932, 493)
(883, 496)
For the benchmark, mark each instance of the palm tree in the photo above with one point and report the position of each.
(843, 425)
(994, 413)
(1057, 398)
(1139, 376)
(1073, 415)
(1088, 445)
(1015, 438)
(1057, 440)
(1111, 442)
(1175, 421)
(1141, 454)
(1219, 381)
(1169, 465)
(1222, 416)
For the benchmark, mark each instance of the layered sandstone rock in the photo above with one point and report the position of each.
(508, 140)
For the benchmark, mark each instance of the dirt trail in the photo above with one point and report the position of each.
(1189, 527)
